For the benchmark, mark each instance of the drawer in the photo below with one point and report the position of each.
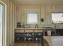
(18, 31)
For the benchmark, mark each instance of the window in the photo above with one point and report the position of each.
(31, 18)
(57, 17)
(0, 25)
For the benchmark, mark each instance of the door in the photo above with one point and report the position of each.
(2, 24)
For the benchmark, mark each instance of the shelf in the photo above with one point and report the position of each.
(28, 37)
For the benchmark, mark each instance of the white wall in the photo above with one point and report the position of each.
(12, 17)
(43, 12)
(10, 12)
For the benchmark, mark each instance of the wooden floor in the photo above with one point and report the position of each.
(29, 44)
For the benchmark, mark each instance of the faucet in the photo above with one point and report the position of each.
(36, 26)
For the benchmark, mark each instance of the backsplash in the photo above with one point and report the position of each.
(56, 26)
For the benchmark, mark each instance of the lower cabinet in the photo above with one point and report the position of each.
(29, 37)
(59, 32)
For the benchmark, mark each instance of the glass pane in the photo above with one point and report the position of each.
(31, 18)
(57, 17)
(0, 25)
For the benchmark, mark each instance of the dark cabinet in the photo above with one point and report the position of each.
(59, 32)
(28, 37)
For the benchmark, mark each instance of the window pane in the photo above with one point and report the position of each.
(57, 17)
(0, 25)
(31, 18)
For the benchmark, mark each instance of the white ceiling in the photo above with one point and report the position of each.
(39, 2)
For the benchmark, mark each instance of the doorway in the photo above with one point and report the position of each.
(2, 24)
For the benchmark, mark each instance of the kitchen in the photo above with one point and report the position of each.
(33, 18)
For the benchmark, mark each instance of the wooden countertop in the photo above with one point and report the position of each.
(29, 28)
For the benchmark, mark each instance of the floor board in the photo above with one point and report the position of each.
(28, 44)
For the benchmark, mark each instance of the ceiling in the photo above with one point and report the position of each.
(39, 2)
